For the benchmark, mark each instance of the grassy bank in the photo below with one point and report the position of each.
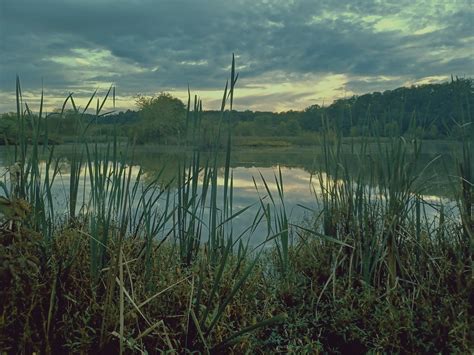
(52, 303)
(135, 265)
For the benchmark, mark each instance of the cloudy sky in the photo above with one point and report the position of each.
(290, 53)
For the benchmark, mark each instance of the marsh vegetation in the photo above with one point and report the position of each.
(164, 262)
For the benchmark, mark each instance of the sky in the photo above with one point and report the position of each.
(290, 54)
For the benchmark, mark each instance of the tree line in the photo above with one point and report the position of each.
(430, 110)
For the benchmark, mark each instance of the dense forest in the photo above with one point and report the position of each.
(431, 111)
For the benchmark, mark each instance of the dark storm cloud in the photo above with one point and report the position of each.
(146, 46)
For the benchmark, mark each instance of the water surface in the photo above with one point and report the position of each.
(301, 169)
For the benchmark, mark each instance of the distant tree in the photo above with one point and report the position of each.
(311, 118)
(161, 116)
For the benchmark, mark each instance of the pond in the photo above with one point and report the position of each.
(302, 171)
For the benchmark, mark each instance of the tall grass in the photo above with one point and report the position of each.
(379, 209)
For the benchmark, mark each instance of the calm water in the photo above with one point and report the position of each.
(298, 167)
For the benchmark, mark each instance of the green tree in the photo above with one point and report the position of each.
(311, 118)
(161, 116)
(289, 128)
